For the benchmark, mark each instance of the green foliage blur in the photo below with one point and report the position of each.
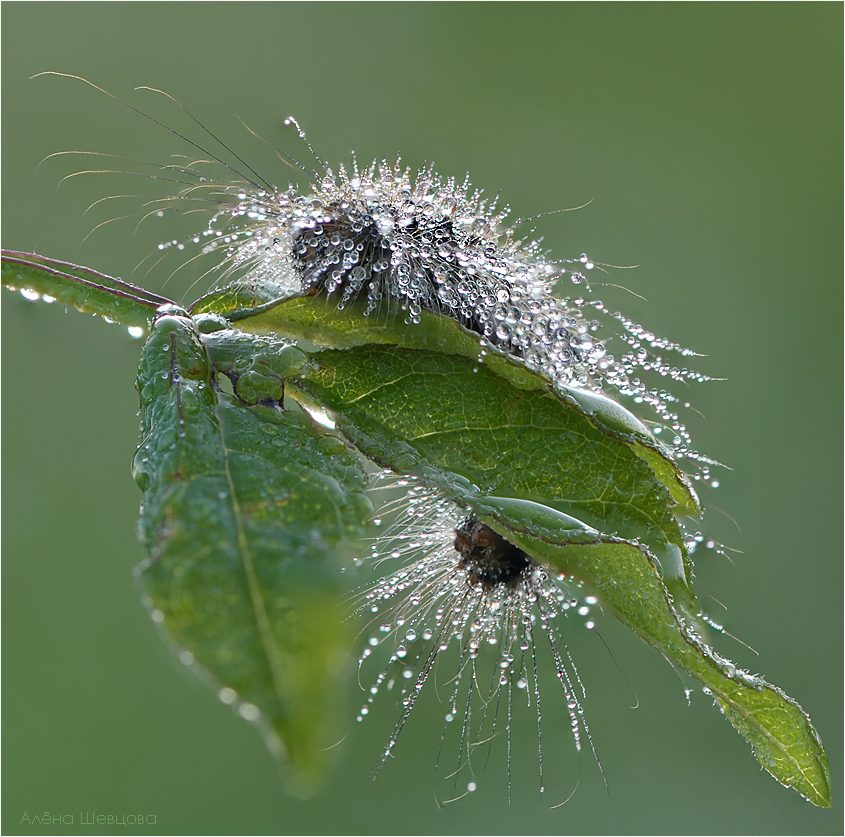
(707, 138)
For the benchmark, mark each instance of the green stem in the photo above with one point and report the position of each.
(85, 289)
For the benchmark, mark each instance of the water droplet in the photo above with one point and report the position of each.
(227, 695)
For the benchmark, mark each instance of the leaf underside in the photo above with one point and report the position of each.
(246, 509)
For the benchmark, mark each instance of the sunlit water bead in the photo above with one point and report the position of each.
(247, 711)
(31, 295)
(693, 541)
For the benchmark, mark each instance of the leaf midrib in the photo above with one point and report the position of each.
(265, 631)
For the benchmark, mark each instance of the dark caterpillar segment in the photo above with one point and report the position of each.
(326, 255)
(489, 560)
(348, 254)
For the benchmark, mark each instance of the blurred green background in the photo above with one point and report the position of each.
(708, 138)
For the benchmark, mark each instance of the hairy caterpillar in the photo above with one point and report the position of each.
(402, 243)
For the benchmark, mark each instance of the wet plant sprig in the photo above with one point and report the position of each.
(443, 357)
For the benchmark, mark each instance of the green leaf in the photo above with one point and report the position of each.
(85, 289)
(234, 302)
(783, 739)
(256, 366)
(401, 407)
(245, 512)
(312, 319)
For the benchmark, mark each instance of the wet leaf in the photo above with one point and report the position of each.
(402, 407)
(245, 512)
(783, 738)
